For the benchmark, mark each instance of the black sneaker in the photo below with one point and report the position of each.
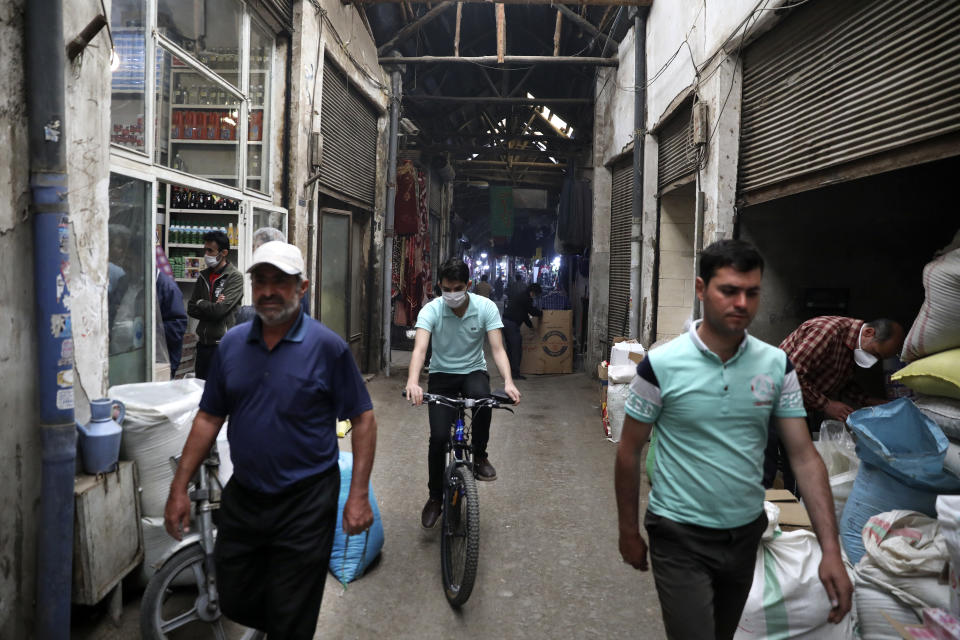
(431, 513)
(519, 377)
(483, 470)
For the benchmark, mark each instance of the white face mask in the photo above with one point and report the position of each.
(861, 357)
(454, 298)
(212, 261)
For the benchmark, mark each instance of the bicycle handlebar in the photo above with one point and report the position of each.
(494, 401)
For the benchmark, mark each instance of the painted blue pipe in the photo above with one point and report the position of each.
(45, 64)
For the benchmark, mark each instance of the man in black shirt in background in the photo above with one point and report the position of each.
(519, 309)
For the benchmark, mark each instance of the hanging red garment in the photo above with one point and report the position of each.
(405, 221)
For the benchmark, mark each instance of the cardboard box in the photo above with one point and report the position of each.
(793, 515)
(602, 375)
(548, 348)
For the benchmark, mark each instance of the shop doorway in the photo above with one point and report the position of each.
(341, 268)
(675, 283)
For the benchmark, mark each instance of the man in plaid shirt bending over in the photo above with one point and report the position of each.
(824, 351)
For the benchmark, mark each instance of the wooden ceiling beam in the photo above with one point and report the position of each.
(602, 3)
(584, 24)
(521, 60)
(495, 100)
(415, 26)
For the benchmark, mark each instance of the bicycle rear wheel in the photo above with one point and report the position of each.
(460, 542)
(174, 604)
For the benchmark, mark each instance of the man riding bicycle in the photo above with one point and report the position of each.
(456, 324)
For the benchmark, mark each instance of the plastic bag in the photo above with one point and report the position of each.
(787, 599)
(352, 555)
(898, 439)
(617, 408)
(839, 454)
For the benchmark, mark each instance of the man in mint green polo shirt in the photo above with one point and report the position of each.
(456, 324)
(710, 395)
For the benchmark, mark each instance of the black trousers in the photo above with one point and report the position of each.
(201, 363)
(703, 576)
(469, 385)
(513, 342)
(272, 554)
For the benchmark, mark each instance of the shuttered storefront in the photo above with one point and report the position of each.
(349, 127)
(841, 90)
(675, 159)
(621, 218)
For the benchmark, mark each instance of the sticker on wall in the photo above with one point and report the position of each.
(65, 399)
(60, 325)
(66, 353)
(65, 377)
(63, 238)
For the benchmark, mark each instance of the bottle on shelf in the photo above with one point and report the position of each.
(231, 233)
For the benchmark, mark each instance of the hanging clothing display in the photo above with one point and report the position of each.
(412, 276)
(406, 216)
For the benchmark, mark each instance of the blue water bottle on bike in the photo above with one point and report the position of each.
(459, 431)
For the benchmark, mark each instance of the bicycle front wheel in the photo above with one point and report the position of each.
(175, 603)
(460, 542)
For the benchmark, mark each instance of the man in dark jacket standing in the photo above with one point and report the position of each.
(174, 318)
(519, 309)
(216, 297)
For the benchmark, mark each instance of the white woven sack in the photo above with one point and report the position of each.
(158, 420)
(905, 554)
(871, 603)
(905, 543)
(944, 411)
(936, 328)
(787, 599)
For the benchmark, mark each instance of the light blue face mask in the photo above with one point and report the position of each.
(861, 357)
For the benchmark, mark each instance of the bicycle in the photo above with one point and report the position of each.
(460, 524)
(182, 595)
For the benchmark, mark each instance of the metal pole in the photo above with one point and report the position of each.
(396, 89)
(45, 63)
(639, 123)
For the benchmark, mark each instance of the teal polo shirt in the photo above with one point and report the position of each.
(458, 342)
(710, 420)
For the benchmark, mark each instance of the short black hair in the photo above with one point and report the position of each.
(484, 278)
(535, 289)
(454, 269)
(223, 242)
(739, 254)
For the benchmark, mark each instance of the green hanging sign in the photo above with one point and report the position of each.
(501, 212)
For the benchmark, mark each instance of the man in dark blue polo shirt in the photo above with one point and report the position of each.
(292, 379)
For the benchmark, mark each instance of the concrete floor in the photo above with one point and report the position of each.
(549, 564)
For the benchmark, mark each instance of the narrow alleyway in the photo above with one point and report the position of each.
(549, 565)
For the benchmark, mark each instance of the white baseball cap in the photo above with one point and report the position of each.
(283, 256)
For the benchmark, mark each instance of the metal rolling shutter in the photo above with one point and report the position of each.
(838, 82)
(673, 144)
(621, 219)
(349, 127)
(279, 13)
